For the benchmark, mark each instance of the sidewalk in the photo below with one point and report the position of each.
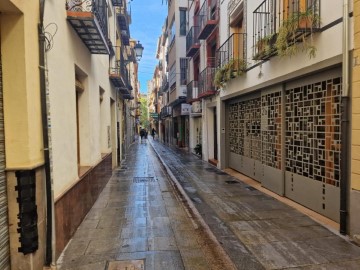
(251, 224)
(141, 222)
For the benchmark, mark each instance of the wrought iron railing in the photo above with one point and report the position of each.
(192, 37)
(165, 112)
(234, 48)
(121, 71)
(165, 83)
(270, 15)
(117, 3)
(192, 91)
(209, 11)
(97, 7)
(206, 78)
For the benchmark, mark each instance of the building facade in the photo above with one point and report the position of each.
(21, 155)
(177, 63)
(354, 200)
(68, 87)
(265, 81)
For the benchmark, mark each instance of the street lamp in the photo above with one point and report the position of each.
(138, 50)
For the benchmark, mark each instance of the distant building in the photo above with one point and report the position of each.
(266, 88)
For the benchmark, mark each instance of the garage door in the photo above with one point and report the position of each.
(288, 138)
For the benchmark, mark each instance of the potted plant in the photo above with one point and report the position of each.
(220, 77)
(265, 47)
(232, 69)
(292, 31)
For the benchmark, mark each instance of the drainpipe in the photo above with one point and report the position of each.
(344, 121)
(50, 259)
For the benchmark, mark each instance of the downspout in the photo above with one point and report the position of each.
(50, 257)
(344, 121)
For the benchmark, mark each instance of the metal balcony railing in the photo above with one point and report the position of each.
(192, 91)
(119, 76)
(206, 79)
(270, 15)
(165, 112)
(234, 48)
(97, 7)
(89, 19)
(192, 41)
(165, 84)
(208, 18)
(117, 3)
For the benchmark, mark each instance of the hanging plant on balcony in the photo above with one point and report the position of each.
(265, 47)
(231, 70)
(292, 34)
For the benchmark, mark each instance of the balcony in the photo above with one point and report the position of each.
(192, 41)
(208, 18)
(165, 112)
(127, 96)
(192, 92)
(116, 3)
(89, 20)
(119, 77)
(231, 59)
(123, 19)
(165, 84)
(206, 79)
(299, 18)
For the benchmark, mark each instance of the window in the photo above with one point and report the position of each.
(182, 22)
(172, 75)
(183, 70)
(172, 32)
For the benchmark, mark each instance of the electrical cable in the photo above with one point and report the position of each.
(49, 35)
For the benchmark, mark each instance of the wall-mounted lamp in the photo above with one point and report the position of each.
(138, 50)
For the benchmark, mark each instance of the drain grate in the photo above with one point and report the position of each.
(231, 182)
(144, 179)
(251, 188)
(221, 173)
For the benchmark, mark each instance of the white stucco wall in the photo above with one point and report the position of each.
(71, 52)
(279, 69)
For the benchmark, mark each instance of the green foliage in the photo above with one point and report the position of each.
(144, 122)
(265, 47)
(289, 41)
(232, 69)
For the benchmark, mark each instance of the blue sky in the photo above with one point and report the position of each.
(147, 19)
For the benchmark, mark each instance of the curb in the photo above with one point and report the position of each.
(195, 214)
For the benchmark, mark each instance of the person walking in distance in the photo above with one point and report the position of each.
(142, 134)
(153, 132)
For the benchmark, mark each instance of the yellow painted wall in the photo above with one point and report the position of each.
(355, 172)
(19, 48)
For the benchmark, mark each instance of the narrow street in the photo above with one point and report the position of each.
(196, 217)
(140, 221)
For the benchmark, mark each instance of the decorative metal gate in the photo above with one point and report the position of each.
(245, 137)
(313, 145)
(4, 233)
(289, 140)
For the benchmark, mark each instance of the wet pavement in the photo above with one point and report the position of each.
(182, 213)
(141, 222)
(256, 230)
